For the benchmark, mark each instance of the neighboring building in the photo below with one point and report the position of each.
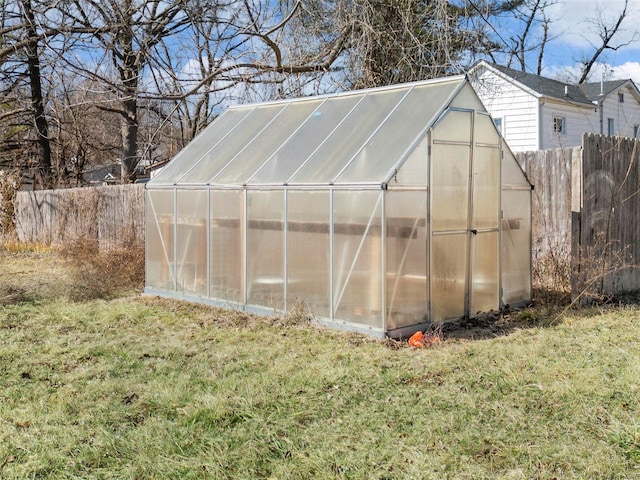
(537, 113)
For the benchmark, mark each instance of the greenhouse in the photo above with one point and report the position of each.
(380, 210)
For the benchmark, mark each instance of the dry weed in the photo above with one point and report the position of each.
(105, 275)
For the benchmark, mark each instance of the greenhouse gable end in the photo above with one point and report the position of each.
(381, 210)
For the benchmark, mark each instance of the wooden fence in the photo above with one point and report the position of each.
(112, 215)
(586, 207)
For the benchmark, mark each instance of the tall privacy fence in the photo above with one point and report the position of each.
(111, 215)
(586, 212)
(586, 215)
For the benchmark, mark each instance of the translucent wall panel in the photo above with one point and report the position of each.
(390, 144)
(450, 187)
(200, 145)
(516, 246)
(406, 246)
(414, 170)
(306, 140)
(160, 245)
(448, 276)
(191, 238)
(467, 98)
(512, 174)
(516, 232)
(265, 248)
(226, 243)
(308, 250)
(222, 153)
(266, 143)
(357, 257)
(334, 154)
(454, 127)
(486, 187)
(485, 285)
(485, 131)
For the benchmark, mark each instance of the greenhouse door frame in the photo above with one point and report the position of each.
(450, 253)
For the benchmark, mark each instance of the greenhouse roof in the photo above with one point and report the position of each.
(358, 137)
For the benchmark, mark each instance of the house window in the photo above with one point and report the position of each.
(610, 126)
(498, 123)
(621, 97)
(636, 130)
(559, 125)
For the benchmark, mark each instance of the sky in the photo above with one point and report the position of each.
(573, 34)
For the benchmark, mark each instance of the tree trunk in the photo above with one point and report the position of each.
(129, 141)
(42, 127)
(129, 75)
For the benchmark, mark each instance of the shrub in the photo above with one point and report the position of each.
(106, 275)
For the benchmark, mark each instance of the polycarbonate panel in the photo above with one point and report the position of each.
(266, 143)
(512, 173)
(191, 242)
(265, 248)
(334, 154)
(226, 244)
(486, 187)
(306, 140)
(216, 158)
(516, 246)
(308, 251)
(485, 274)
(195, 151)
(160, 244)
(467, 98)
(414, 170)
(391, 143)
(454, 127)
(406, 248)
(449, 187)
(485, 131)
(448, 276)
(357, 257)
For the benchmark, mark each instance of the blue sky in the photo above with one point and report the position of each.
(573, 34)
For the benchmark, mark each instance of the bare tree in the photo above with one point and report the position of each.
(518, 46)
(402, 40)
(606, 31)
(22, 88)
(146, 45)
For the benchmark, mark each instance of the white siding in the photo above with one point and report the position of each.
(578, 120)
(517, 108)
(625, 115)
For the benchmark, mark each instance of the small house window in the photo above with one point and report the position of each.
(498, 123)
(559, 125)
(610, 126)
(621, 97)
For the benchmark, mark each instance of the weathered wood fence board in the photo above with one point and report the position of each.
(112, 215)
(550, 171)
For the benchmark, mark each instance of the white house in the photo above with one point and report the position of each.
(536, 113)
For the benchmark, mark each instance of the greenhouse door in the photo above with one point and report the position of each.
(464, 246)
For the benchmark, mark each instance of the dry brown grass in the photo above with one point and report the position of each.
(105, 275)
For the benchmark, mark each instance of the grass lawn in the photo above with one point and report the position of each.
(141, 388)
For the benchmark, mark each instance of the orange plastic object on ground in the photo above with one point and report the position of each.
(416, 340)
(420, 339)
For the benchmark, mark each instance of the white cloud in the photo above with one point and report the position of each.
(574, 22)
(628, 70)
(571, 73)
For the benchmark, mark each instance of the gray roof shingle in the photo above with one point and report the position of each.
(585, 93)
